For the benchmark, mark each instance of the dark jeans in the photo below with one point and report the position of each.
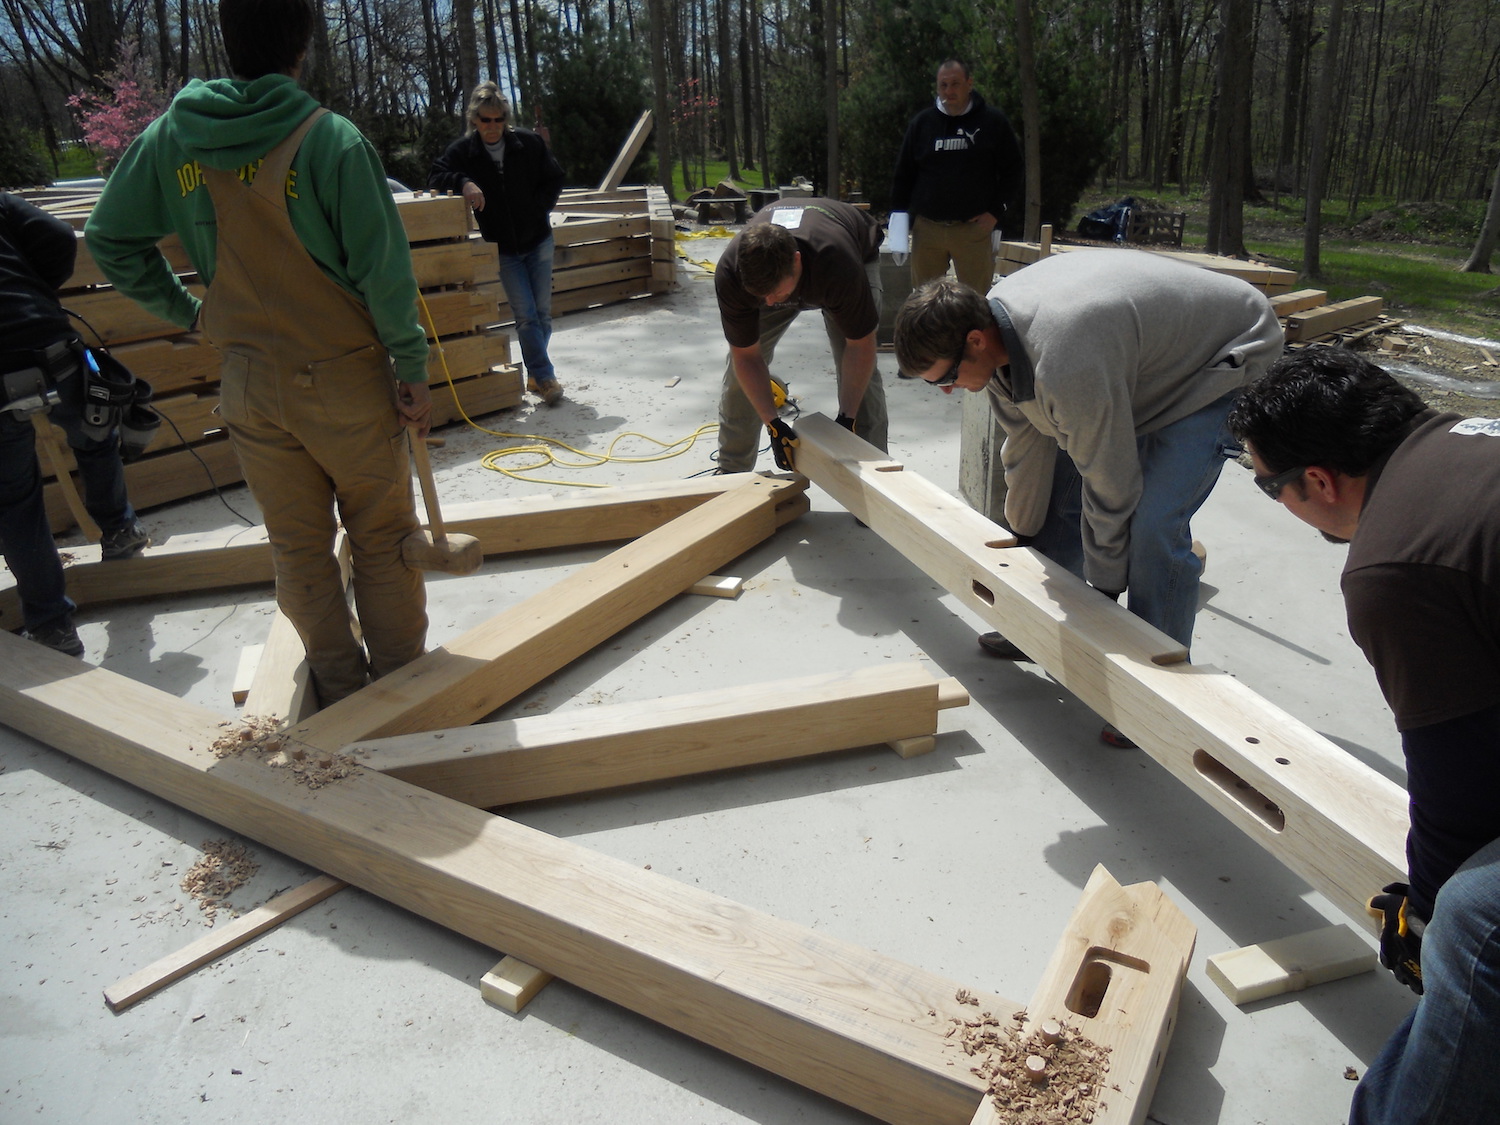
(25, 539)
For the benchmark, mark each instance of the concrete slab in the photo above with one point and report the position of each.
(966, 861)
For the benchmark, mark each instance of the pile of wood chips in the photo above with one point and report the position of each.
(262, 735)
(224, 867)
(1050, 1076)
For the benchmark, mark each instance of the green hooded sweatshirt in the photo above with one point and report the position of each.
(337, 197)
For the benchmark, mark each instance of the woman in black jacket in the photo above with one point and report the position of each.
(511, 179)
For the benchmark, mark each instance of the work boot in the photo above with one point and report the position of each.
(124, 541)
(59, 635)
(550, 391)
(996, 645)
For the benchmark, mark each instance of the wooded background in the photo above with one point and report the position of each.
(1401, 96)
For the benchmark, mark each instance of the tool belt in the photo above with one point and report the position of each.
(111, 396)
(114, 398)
(29, 380)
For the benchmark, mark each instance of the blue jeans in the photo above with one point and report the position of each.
(25, 538)
(1180, 464)
(527, 279)
(1439, 1068)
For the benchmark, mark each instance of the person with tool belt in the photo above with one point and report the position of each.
(284, 211)
(42, 371)
(795, 255)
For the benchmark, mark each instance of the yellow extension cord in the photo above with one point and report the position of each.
(544, 448)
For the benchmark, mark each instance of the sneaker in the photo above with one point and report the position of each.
(549, 392)
(996, 645)
(124, 541)
(59, 635)
(1111, 736)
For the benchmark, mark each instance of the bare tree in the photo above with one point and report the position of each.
(1484, 249)
(1312, 230)
(831, 92)
(1031, 121)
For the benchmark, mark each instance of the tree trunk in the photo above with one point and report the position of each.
(1484, 249)
(467, 75)
(1031, 121)
(831, 92)
(1312, 230)
(726, 91)
(1226, 229)
(657, 10)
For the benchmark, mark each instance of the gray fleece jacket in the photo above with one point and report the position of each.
(1105, 346)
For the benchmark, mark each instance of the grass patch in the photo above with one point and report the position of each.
(1408, 254)
(76, 162)
(709, 175)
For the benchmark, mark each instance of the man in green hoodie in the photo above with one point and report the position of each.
(285, 213)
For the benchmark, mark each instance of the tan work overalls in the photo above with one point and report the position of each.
(309, 399)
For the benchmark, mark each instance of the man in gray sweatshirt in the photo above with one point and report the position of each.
(1112, 373)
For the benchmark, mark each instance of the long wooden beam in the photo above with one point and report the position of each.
(242, 556)
(494, 662)
(1331, 819)
(593, 748)
(854, 1025)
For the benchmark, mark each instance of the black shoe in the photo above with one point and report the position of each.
(59, 635)
(996, 645)
(124, 542)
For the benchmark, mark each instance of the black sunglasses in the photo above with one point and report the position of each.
(1272, 485)
(492, 120)
(949, 377)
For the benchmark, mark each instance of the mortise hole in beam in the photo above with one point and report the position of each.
(984, 593)
(1251, 799)
(1086, 994)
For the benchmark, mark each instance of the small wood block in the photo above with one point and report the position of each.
(914, 747)
(244, 674)
(1291, 964)
(718, 586)
(209, 947)
(674, 380)
(511, 984)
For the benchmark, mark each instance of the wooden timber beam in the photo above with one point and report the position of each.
(628, 152)
(503, 763)
(1138, 967)
(841, 1020)
(242, 556)
(836, 1018)
(1328, 817)
(491, 664)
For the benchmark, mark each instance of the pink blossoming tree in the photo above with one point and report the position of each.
(110, 122)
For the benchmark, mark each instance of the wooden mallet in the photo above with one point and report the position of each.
(430, 547)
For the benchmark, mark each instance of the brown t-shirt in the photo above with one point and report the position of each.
(835, 241)
(1422, 582)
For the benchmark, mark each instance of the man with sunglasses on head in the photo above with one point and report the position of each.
(1112, 373)
(1348, 450)
(512, 181)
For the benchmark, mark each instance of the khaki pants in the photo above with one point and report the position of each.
(966, 245)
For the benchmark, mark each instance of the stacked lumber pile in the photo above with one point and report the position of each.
(1270, 280)
(611, 246)
(1310, 319)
